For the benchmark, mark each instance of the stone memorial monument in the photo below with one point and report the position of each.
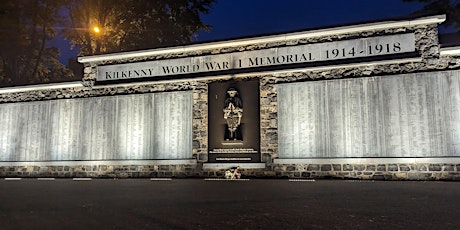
(374, 100)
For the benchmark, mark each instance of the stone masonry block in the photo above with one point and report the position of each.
(337, 167)
(404, 167)
(421, 167)
(347, 167)
(326, 167)
(435, 167)
(370, 168)
(448, 167)
(392, 167)
(163, 167)
(359, 167)
(313, 167)
(290, 168)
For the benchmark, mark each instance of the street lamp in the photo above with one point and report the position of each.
(96, 29)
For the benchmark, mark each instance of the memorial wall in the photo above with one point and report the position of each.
(376, 101)
(404, 115)
(125, 127)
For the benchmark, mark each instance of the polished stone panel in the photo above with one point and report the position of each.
(409, 115)
(173, 126)
(127, 127)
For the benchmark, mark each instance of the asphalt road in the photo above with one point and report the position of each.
(254, 204)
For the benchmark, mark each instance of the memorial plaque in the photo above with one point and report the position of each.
(409, 115)
(101, 128)
(133, 131)
(9, 119)
(454, 96)
(121, 145)
(173, 122)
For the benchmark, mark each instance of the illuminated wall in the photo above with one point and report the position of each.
(143, 126)
(408, 115)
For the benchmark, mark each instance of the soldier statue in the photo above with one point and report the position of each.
(233, 111)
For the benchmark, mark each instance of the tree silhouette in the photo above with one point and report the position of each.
(26, 26)
(449, 7)
(133, 24)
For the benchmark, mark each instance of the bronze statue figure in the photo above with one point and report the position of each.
(233, 111)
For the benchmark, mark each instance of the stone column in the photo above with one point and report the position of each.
(427, 44)
(200, 122)
(268, 119)
(89, 75)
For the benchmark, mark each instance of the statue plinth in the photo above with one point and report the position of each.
(232, 143)
(234, 155)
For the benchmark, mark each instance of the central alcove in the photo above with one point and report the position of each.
(243, 144)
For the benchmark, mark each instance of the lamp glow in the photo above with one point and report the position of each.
(96, 29)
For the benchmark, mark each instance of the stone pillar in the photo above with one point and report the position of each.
(268, 119)
(427, 44)
(89, 75)
(200, 122)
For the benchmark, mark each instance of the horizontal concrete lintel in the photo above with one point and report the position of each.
(410, 160)
(111, 162)
(450, 51)
(62, 85)
(230, 165)
(13, 178)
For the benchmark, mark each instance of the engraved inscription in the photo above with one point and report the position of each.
(364, 47)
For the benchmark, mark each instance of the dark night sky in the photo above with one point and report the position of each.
(242, 18)
(236, 18)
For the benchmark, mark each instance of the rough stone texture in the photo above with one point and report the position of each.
(337, 167)
(326, 168)
(200, 122)
(268, 112)
(360, 171)
(101, 171)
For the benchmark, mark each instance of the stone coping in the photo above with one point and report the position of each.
(100, 162)
(230, 165)
(406, 160)
(265, 39)
(62, 85)
(450, 51)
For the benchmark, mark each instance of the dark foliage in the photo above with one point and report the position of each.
(134, 24)
(26, 26)
(449, 7)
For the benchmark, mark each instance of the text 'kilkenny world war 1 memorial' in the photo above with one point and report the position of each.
(377, 101)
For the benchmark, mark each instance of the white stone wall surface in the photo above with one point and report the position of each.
(122, 127)
(406, 115)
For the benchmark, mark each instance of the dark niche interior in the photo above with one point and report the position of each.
(242, 145)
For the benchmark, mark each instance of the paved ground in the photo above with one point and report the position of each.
(254, 204)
